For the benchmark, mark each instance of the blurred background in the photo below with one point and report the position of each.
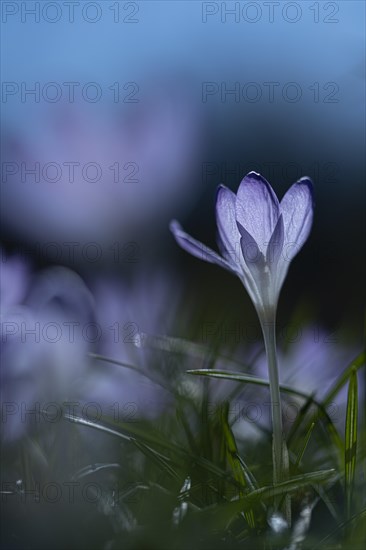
(120, 116)
(140, 109)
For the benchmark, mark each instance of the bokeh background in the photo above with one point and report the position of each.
(120, 116)
(174, 143)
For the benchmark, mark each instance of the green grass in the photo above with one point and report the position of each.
(190, 479)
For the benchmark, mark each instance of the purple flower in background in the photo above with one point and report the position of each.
(14, 281)
(123, 310)
(43, 343)
(258, 235)
(310, 364)
(86, 175)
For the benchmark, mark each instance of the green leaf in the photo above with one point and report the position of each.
(160, 460)
(245, 378)
(327, 501)
(351, 439)
(248, 379)
(321, 413)
(187, 430)
(360, 517)
(332, 393)
(132, 432)
(222, 515)
(342, 380)
(185, 347)
(128, 366)
(93, 468)
(91, 424)
(305, 444)
(231, 451)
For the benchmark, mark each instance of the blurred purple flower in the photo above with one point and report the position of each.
(14, 280)
(90, 175)
(43, 352)
(310, 364)
(270, 235)
(123, 311)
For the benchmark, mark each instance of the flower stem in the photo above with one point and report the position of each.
(268, 324)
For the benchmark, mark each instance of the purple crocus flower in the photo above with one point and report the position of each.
(258, 235)
(269, 235)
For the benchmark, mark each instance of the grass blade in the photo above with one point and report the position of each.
(351, 439)
(248, 379)
(231, 451)
(244, 378)
(128, 366)
(361, 516)
(222, 515)
(187, 430)
(358, 363)
(93, 469)
(159, 460)
(184, 347)
(306, 441)
(131, 433)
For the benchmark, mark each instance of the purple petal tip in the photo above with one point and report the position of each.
(220, 187)
(175, 226)
(307, 182)
(257, 178)
(253, 174)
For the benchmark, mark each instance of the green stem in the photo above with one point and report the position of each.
(268, 323)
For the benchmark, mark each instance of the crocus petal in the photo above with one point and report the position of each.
(278, 263)
(229, 237)
(275, 245)
(253, 266)
(252, 255)
(257, 208)
(197, 249)
(297, 210)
